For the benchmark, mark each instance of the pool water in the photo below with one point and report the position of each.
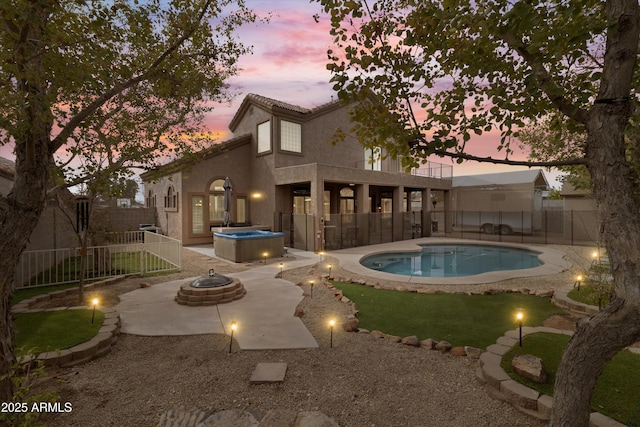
(453, 260)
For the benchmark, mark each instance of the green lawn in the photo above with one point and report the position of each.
(473, 320)
(54, 330)
(617, 393)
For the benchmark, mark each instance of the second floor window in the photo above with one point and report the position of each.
(264, 137)
(373, 159)
(290, 136)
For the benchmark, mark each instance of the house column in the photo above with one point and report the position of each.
(363, 213)
(448, 228)
(315, 239)
(426, 212)
(397, 211)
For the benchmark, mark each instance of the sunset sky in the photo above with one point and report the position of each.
(289, 64)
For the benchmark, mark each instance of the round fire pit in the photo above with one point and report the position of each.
(212, 289)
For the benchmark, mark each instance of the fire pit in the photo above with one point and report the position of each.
(212, 289)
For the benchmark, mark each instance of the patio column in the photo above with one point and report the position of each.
(448, 228)
(363, 213)
(316, 240)
(398, 213)
(426, 212)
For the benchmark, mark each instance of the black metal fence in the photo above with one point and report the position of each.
(341, 231)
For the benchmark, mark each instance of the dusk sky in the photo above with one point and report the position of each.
(289, 64)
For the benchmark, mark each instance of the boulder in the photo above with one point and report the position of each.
(411, 340)
(298, 313)
(377, 334)
(473, 352)
(428, 344)
(393, 338)
(458, 352)
(443, 346)
(351, 325)
(530, 367)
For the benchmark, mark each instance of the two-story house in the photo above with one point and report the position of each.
(287, 176)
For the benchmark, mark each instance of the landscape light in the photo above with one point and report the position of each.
(520, 316)
(330, 266)
(265, 255)
(331, 325)
(95, 303)
(281, 266)
(233, 328)
(321, 256)
(311, 282)
(579, 279)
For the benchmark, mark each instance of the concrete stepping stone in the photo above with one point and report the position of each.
(266, 373)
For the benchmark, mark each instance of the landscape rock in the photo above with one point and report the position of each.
(299, 312)
(378, 334)
(443, 346)
(530, 367)
(411, 340)
(473, 352)
(458, 352)
(393, 338)
(351, 325)
(428, 344)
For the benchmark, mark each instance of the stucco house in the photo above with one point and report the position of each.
(286, 176)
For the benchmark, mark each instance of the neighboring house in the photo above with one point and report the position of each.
(501, 203)
(286, 176)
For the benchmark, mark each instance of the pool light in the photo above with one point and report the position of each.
(520, 317)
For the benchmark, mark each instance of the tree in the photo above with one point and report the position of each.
(90, 88)
(440, 71)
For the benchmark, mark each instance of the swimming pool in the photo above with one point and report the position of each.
(453, 260)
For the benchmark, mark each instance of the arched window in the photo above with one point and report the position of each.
(171, 199)
(216, 201)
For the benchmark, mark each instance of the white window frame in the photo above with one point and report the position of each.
(290, 136)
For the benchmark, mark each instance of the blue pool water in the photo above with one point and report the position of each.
(453, 260)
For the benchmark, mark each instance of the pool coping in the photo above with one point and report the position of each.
(553, 262)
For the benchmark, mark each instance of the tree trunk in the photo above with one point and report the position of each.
(615, 188)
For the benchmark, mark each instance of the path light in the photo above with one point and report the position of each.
(579, 279)
(596, 257)
(233, 328)
(95, 303)
(332, 323)
(520, 316)
(330, 266)
(265, 255)
(311, 282)
(281, 267)
(321, 256)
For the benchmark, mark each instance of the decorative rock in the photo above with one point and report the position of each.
(473, 352)
(544, 294)
(393, 338)
(351, 325)
(313, 419)
(400, 288)
(443, 346)
(377, 334)
(298, 313)
(428, 344)
(145, 285)
(411, 340)
(530, 367)
(458, 352)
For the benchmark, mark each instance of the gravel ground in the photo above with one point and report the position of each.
(361, 381)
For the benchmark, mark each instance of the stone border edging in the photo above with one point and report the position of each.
(561, 299)
(84, 352)
(500, 384)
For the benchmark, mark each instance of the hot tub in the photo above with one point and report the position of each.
(242, 246)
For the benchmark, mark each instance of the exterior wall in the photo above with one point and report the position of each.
(168, 219)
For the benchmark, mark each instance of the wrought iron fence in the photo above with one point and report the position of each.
(135, 252)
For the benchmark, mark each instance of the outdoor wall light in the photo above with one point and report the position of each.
(95, 302)
(520, 317)
(578, 282)
(234, 325)
(332, 323)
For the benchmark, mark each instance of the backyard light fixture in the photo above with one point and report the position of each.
(311, 282)
(332, 323)
(265, 255)
(95, 304)
(321, 256)
(579, 279)
(281, 267)
(330, 266)
(520, 316)
(233, 328)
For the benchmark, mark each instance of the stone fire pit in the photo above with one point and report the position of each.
(212, 289)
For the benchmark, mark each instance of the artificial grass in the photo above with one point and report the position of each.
(54, 330)
(617, 392)
(472, 320)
